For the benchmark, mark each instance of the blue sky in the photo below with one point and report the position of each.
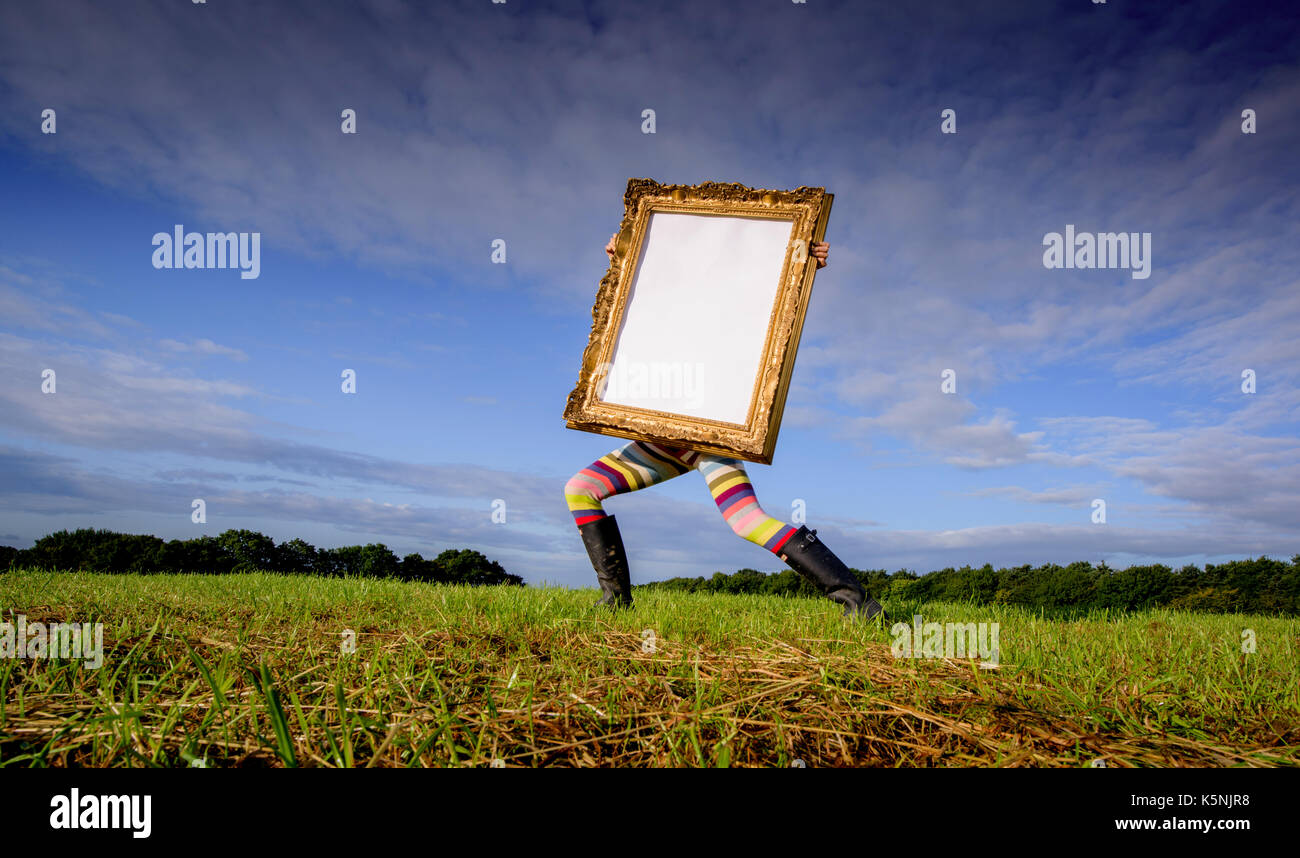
(522, 121)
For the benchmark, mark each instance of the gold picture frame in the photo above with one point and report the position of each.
(693, 269)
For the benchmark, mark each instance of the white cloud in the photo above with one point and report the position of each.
(203, 347)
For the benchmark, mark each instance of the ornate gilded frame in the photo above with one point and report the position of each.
(808, 210)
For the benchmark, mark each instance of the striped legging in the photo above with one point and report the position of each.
(640, 464)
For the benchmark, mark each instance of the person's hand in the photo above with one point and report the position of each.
(820, 250)
(609, 248)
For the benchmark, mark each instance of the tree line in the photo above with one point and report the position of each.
(246, 551)
(1262, 586)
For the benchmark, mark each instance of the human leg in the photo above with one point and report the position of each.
(734, 496)
(801, 549)
(633, 466)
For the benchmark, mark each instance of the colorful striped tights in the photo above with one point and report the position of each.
(640, 464)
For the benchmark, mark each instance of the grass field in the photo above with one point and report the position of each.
(250, 670)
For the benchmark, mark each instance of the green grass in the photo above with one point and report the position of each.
(248, 670)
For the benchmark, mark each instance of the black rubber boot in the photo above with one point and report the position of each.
(605, 548)
(809, 556)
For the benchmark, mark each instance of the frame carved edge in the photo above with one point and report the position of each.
(756, 444)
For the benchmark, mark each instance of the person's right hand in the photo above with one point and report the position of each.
(609, 248)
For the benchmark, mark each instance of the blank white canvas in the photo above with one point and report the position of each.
(696, 321)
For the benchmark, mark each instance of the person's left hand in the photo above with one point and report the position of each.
(820, 250)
